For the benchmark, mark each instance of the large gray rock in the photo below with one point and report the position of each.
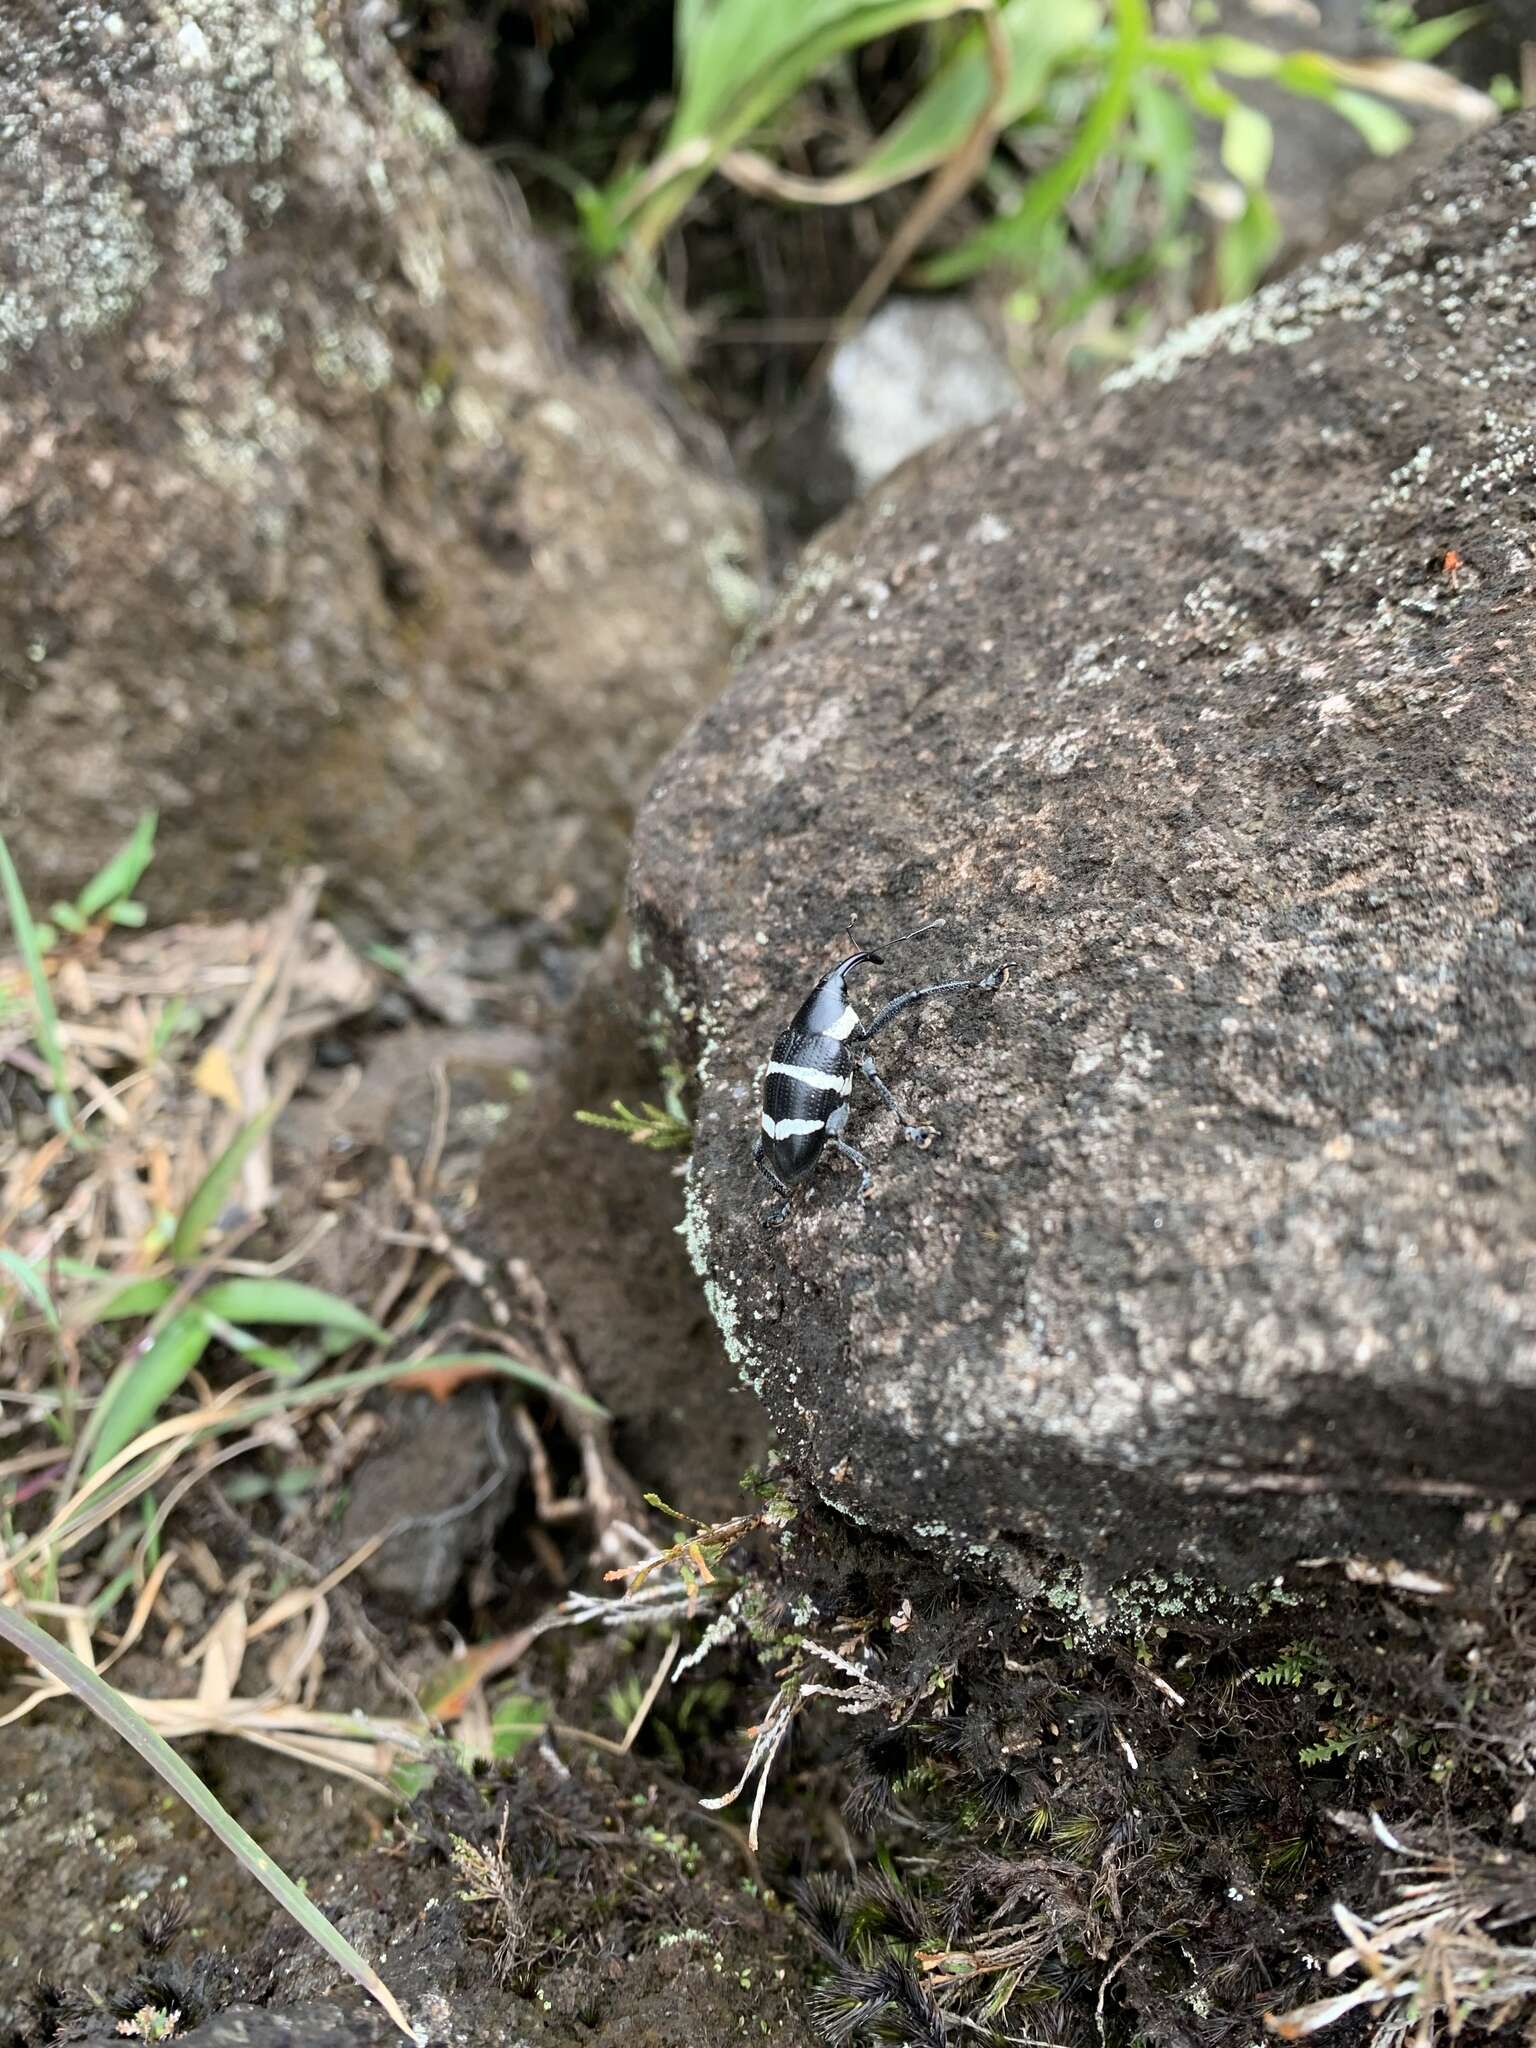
(1209, 711)
(313, 530)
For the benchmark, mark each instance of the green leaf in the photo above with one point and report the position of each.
(31, 1283)
(1041, 35)
(141, 1386)
(202, 1212)
(137, 1298)
(1308, 72)
(270, 1358)
(1017, 237)
(291, 1304)
(407, 1778)
(745, 58)
(657, 1129)
(687, 22)
(1424, 40)
(1166, 133)
(42, 995)
(516, 1720)
(1247, 145)
(179, 1017)
(107, 1702)
(1383, 128)
(1240, 56)
(742, 62)
(1246, 249)
(390, 959)
(121, 875)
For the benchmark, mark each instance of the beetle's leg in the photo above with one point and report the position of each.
(894, 1008)
(774, 1216)
(852, 1152)
(921, 1135)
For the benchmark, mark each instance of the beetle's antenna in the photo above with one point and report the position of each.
(872, 953)
(917, 931)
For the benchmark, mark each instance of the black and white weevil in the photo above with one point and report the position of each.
(808, 1087)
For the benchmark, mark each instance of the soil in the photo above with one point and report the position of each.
(631, 1919)
(600, 1222)
(1156, 1808)
(638, 1916)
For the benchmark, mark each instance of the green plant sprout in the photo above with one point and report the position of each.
(108, 895)
(45, 1018)
(1071, 89)
(659, 1130)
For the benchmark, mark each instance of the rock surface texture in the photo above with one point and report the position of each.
(313, 532)
(1211, 713)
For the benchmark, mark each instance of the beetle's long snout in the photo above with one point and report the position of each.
(855, 959)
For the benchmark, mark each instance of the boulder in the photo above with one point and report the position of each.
(315, 532)
(1209, 712)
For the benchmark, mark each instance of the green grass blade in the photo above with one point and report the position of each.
(213, 1191)
(32, 1284)
(366, 1377)
(1382, 128)
(119, 1304)
(120, 877)
(104, 1700)
(1016, 237)
(110, 1478)
(512, 1369)
(269, 1357)
(1426, 39)
(1041, 35)
(291, 1304)
(42, 995)
(141, 1386)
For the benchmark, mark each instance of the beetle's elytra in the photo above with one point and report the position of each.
(808, 1088)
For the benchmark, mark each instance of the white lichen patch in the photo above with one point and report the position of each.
(124, 147)
(253, 441)
(355, 355)
(820, 570)
(1385, 283)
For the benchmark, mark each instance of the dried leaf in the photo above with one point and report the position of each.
(222, 1653)
(214, 1074)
